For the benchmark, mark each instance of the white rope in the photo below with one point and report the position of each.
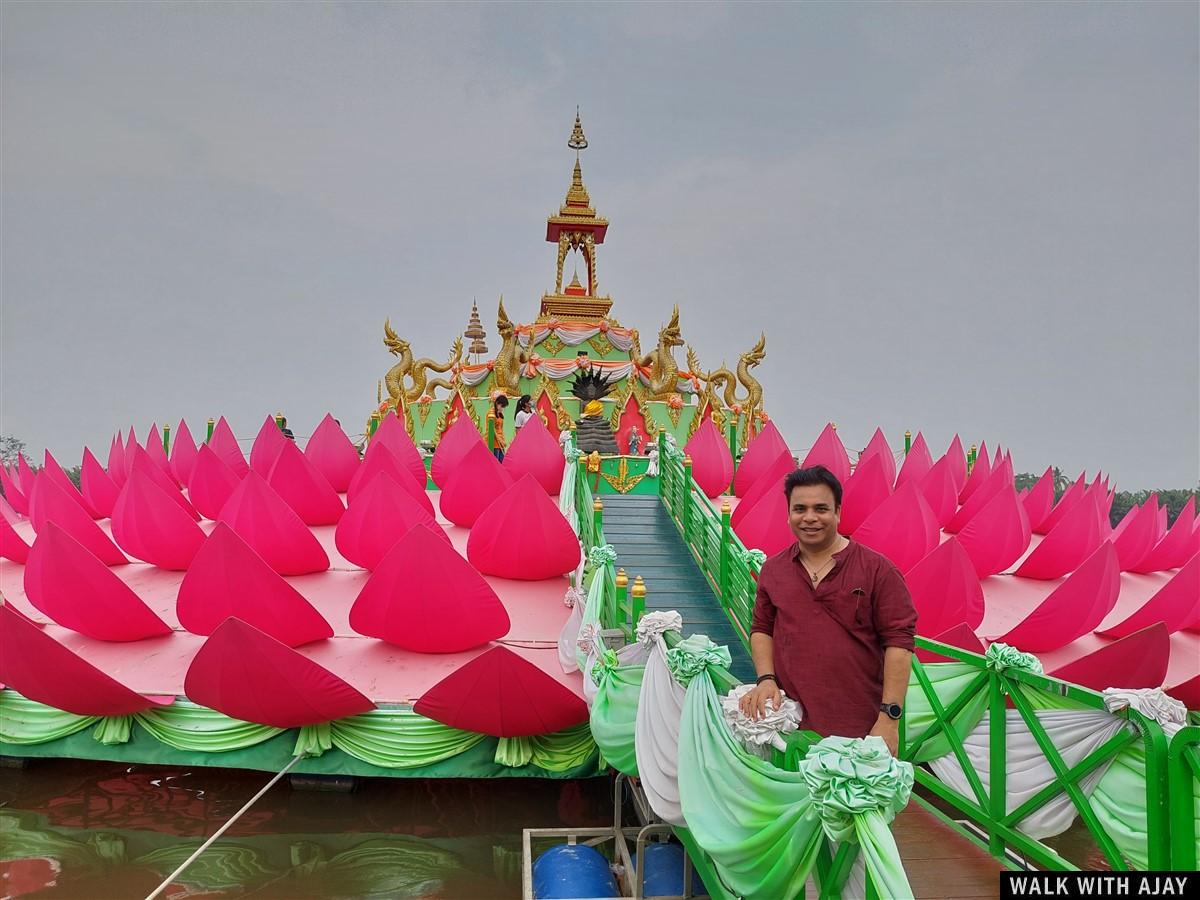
(220, 831)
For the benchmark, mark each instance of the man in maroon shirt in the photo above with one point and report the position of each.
(833, 622)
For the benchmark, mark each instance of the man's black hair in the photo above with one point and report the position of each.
(811, 476)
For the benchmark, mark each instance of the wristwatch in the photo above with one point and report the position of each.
(894, 710)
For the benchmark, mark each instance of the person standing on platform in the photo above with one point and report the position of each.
(524, 411)
(496, 423)
(833, 623)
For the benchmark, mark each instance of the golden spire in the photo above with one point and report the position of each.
(578, 141)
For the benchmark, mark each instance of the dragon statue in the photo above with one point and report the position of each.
(751, 402)
(415, 370)
(506, 374)
(663, 373)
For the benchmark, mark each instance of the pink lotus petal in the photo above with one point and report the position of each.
(1137, 661)
(522, 535)
(267, 524)
(183, 453)
(1072, 609)
(878, 446)
(148, 524)
(764, 526)
(771, 481)
(267, 444)
(303, 487)
(143, 463)
(333, 454)
(457, 439)
(1176, 604)
(12, 545)
(379, 516)
(476, 481)
(1176, 546)
(1071, 541)
(50, 504)
(903, 528)
(392, 434)
(13, 492)
(225, 445)
(957, 461)
(98, 489)
(1000, 479)
(917, 462)
(158, 453)
(997, 535)
(116, 460)
(381, 459)
(25, 475)
(712, 466)
(535, 452)
(52, 470)
(978, 475)
(212, 483)
(1137, 540)
(1067, 502)
(960, 636)
(867, 488)
(945, 589)
(766, 447)
(828, 451)
(1040, 500)
(937, 487)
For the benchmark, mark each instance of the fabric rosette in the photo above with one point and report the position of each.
(853, 777)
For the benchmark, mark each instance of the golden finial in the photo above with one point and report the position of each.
(597, 505)
(639, 587)
(578, 141)
(622, 578)
(687, 462)
(726, 509)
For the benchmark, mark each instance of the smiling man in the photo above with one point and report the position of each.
(833, 622)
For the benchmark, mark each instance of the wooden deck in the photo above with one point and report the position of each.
(941, 863)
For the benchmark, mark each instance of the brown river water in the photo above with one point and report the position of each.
(84, 829)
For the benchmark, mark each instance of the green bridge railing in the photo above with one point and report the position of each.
(1171, 782)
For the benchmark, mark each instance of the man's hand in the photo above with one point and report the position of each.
(889, 729)
(754, 701)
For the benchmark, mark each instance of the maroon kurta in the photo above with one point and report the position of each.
(829, 640)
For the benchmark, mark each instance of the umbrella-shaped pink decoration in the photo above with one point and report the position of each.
(424, 597)
(267, 444)
(937, 487)
(712, 466)
(979, 474)
(868, 487)
(1137, 661)
(98, 489)
(392, 434)
(12, 545)
(1001, 479)
(377, 518)
(457, 439)
(1176, 547)
(945, 590)
(144, 464)
(76, 590)
(147, 524)
(760, 455)
(1040, 499)
(249, 675)
(1073, 608)
(50, 504)
(266, 523)
(383, 460)
(1137, 540)
(227, 578)
(957, 461)
(903, 528)
(828, 451)
(333, 454)
(476, 481)
(40, 668)
(1067, 502)
(771, 481)
(52, 470)
(1176, 604)
(158, 453)
(1187, 692)
(502, 694)
(961, 636)
(183, 454)
(116, 460)
(25, 475)
(534, 451)
(16, 497)
(225, 445)
(212, 483)
(997, 535)
(522, 535)
(765, 525)
(1071, 541)
(879, 446)
(917, 462)
(303, 487)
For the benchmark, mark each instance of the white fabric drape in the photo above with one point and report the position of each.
(763, 735)
(1151, 703)
(656, 736)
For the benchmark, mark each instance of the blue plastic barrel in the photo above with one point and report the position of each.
(664, 870)
(576, 872)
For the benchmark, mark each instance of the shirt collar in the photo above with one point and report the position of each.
(840, 556)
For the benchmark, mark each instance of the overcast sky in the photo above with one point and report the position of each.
(974, 218)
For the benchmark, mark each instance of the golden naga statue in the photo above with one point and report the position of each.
(664, 372)
(751, 402)
(417, 370)
(506, 371)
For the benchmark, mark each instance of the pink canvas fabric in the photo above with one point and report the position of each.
(961, 635)
(76, 590)
(25, 475)
(377, 518)
(903, 528)
(392, 434)
(1000, 479)
(144, 464)
(1067, 502)
(333, 454)
(116, 460)
(1072, 609)
(424, 597)
(945, 590)
(225, 445)
(474, 484)
(1176, 547)
(249, 675)
(212, 483)
(148, 524)
(829, 452)
(996, 536)
(534, 451)
(381, 459)
(266, 523)
(16, 497)
(522, 535)
(1040, 500)
(1187, 692)
(867, 488)
(712, 466)
(769, 482)
(879, 446)
(52, 470)
(765, 526)
(978, 475)
(303, 487)
(267, 444)
(1138, 539)
(40, 668)
(504, 695)
(760, 455)
(227, 578)
(1176, 604)
(455, 442)
(183, 453)
(157, 452)
(917, 462)
(12, 545)
(97, 488)
(50, 504)
(1137, 661)
(1068, 544)
(937, 487)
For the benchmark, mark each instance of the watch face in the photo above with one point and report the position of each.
(893, 709)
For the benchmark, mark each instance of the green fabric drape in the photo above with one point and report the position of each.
(597, 559)
(614, 711)
(1000, 656)
(566, 493)
(948, 681)
(25, 721)
(314, 740)
(558, 752)
(187, 726)
(399, 738)
(693, 655)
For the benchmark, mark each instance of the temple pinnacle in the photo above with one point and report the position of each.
(578, 141)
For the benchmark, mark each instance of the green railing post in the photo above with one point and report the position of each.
(733, 429)
(167, 439)
(907, 441)
(211, 425)
(997, 761)
(1183, 762)
(491, 432)
(597, 517)
(684, 497)
(622, 591)
(279, 420)
(638, 606)
(723, 565)
(372, 424)
(971, 455)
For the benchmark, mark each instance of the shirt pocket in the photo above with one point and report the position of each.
(847, 607)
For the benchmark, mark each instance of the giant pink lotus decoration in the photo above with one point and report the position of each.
(1040, 500)
(392, 435)
(956, 459)
(879, 447)
(183, 453)
(997, 535)
(937, 487)
(225, 445)
(303, 487)
(770, 481)
(712, 466)
(457, 439)
(979, 473)
(523, 535)
(1000, 479)
(381, 459)
(902, 528)
(333, 454)
(53, 471)
(158, 453)
(141, 462)
(1176, 547)
(267, 444)
(766, 447)
(1068, 544)
(945, 590)
(765, 526)
(1137, 661)
(917, 462)
(1067, 502)
(212, 483)
(1139, 538)
(148, 524)
(1176, 605)
(828, 451)
(377, 518)
(476, 481)
(116, 460)
(535, 452)
(15, 495)
(49, 503)
(12, 545)
(277, 534)
(867, 488)
(97, 488)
